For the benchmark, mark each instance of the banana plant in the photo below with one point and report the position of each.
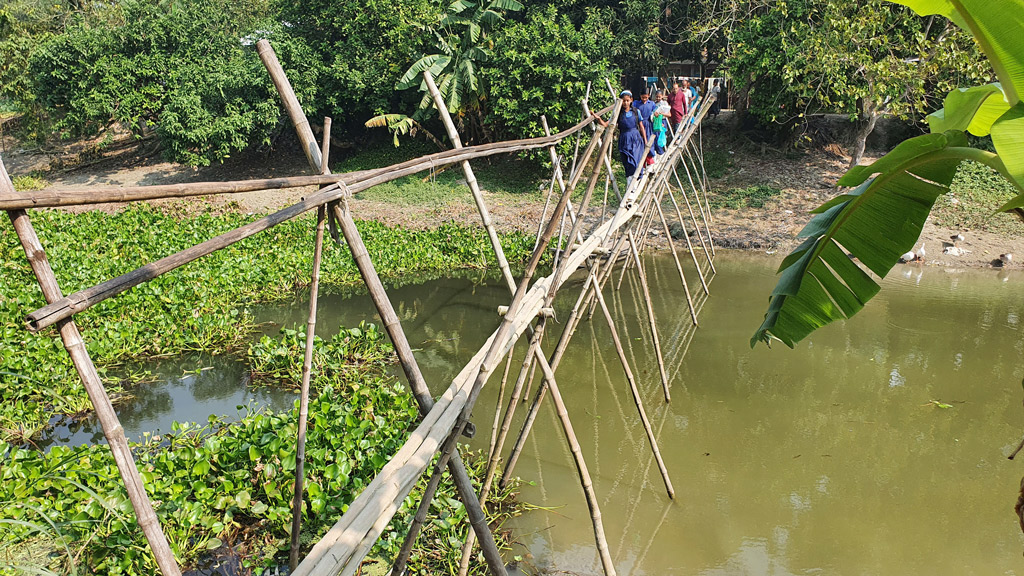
(462, 47)
(882, 215)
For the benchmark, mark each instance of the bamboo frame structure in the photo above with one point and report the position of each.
(594, 244)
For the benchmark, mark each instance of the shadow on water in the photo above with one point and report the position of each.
(877, 446)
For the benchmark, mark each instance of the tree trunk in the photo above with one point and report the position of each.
(865, 125)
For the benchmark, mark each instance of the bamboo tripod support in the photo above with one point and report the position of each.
(385, 309)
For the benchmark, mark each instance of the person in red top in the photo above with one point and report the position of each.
(677, 102)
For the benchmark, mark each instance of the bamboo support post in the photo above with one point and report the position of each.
(387, 313)
(700, 206)
(679, 266)
(689, 245)
(651, 316)
(112, 430)
(474, 187)
(497, 409)
(708, 251)
(307, 363)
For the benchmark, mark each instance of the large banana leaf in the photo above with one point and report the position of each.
(875, 223)
(997, 25)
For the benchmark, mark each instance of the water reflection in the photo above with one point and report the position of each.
(189, 389)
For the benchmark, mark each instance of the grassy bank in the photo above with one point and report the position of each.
(66, 512)
(203, 306)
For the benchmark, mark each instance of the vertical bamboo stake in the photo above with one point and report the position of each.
(696, 197)
(650, 315)
(387, 313)
(679, 266)
(307, 363)
(497, 409)
(112, 430)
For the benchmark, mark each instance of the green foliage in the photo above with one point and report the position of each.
(883, 215)
(29, 183)
(181, 68)
(202, 306)
(542, 66)
(234, 482)
(362, 47)
(754, 196)
(860, 58)
(462, 47)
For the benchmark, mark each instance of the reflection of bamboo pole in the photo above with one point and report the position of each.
(389, 318)
(636, 395)
(307, 364)
(112, 429)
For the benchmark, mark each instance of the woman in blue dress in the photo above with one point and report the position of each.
(631, 137)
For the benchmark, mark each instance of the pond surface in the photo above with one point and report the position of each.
(878, 446)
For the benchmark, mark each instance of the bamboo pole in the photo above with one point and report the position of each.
(112, 430)
(388, 316)
(686, 236)
(291, 103)
(708, 252)
(474, 187)
(679, 266)
(307, 364)
(651, 316)
(497, 409)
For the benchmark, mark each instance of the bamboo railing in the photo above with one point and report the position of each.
(595, 245)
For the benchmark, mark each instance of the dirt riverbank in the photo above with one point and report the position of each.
(800, 181)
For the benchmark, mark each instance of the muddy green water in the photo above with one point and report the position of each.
(834, 458)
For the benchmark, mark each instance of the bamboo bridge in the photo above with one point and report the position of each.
(588, 240)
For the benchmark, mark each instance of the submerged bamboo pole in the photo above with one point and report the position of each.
(307, 363)
(112, 430)
(650, 316)
(391, 322)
